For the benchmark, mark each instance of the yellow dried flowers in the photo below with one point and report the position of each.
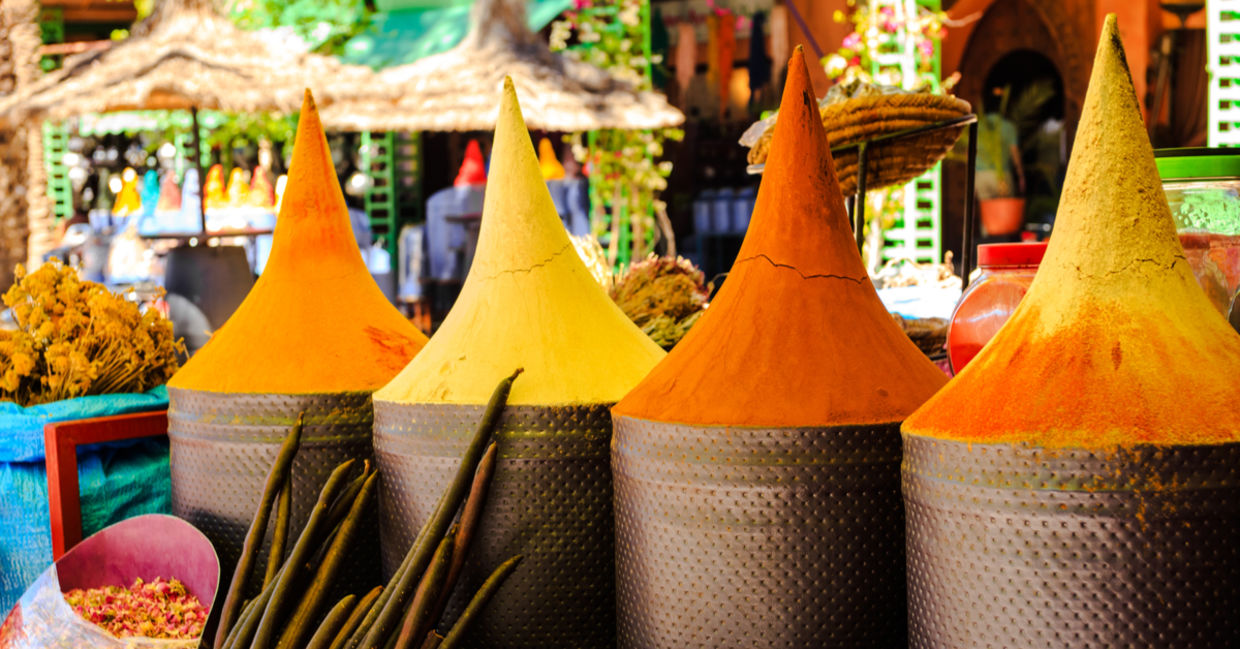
(76, 338)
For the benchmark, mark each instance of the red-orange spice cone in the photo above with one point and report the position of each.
(757, 467)
(314, 335)
(1077, 485)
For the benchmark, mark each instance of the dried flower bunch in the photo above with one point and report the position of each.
(662, 296)
(76, 338)
(156, 609)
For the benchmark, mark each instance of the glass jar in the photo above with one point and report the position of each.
(1005, 271)
(1203, 191)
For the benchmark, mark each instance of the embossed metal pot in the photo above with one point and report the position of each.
(550, 501)
(758, 537)
(1020, 546)
(222, 447)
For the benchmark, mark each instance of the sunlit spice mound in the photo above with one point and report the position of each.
(315, 321)
(528, 302)
(1115, 343)
(797, 336)
(156, 609)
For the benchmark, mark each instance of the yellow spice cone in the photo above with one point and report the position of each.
(528, 302)
(315, 322)
(1115, 343)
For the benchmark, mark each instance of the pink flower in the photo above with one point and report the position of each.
(851, 41)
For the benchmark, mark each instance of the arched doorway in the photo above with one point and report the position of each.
(1018, 29)
(1027, 89)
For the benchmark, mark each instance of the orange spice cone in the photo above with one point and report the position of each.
(315, 337)
(1080, 468)
(315, 321)
(750, 462)
(798, 299)
(529, 302)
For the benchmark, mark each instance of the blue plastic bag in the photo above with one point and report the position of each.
(117, 480)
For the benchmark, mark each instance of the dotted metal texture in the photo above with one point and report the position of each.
(1018, 546)
(550, 501)
(222, 447)
(758, 537)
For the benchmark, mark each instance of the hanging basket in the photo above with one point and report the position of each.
(550, 501)
(1019, 546)
(222, 447)
(888, 162)
(758, 537)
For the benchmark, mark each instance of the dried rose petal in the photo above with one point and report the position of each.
(155, 609)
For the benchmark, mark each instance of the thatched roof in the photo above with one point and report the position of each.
(459, 90)
(185, 55)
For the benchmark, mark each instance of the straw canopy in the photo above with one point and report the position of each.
(186, 55)
(456, 90)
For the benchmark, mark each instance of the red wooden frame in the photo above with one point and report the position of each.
(61, 440)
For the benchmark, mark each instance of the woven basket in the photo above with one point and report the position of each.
(889, 163)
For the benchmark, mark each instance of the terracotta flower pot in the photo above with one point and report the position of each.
(1002, 215)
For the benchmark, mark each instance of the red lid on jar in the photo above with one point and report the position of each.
(1011, 254)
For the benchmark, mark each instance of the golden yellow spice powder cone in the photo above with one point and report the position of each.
(1077, 485)
(1115, 343)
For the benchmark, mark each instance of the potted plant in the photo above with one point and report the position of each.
(999, 180)
(1000, 176)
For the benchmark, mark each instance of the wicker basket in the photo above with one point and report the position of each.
(891, 162)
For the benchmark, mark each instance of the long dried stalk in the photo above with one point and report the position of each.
(331, 624)
(316, 595)
(279, 536)
(276, 478)
(355, 618)
(479, 602)
(307, 543)
(471, 514)
(418, 620)
(384, 623)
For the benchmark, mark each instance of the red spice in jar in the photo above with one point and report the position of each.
(1007, 269)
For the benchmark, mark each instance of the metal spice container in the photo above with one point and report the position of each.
(1020, 546)
(550, 501)
(758, 537)
(222, 446)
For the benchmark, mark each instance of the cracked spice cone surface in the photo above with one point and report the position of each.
(1115, 343)
(315, 321)
(797, 335)
(528, 302)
